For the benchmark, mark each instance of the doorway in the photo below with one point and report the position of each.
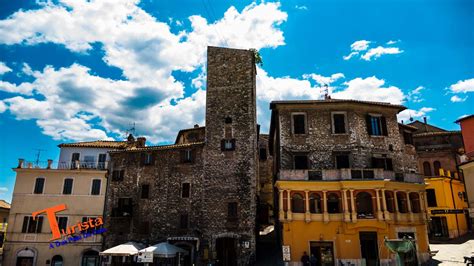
(323, 251)
(24, 261)
(226, 248)
(439, 228)
(369, 248)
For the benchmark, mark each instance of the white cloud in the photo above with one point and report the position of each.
(415, 95)
(362, 48)
(392, 42)
(4, 68)
(301, 7)
(457, 99)
(406, 114)
(379, 51)
(370, 89)
(463, 86)
(322, 80)
(3, 107)
(75, 104)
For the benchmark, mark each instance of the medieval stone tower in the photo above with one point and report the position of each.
(230, 164)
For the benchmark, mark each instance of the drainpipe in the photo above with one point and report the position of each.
(454, 204)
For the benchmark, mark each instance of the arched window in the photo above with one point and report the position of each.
(390, 201)
(364, 205)
(402, 202)
(436, 167)
(415, 202)
(333, 203)
(315, 203)
(426, 169)
(57, 260)
(90, 258)
(297, 203)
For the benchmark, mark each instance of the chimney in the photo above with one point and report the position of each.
(50, 162)
(196, 125)
(141, 142)
(425, 120)
(20, 163)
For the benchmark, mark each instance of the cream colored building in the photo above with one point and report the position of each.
(80, 186)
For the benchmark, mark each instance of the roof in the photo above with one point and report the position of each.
(333, 101)
(407, 126)
(187, 130)
(96, 144)
(161, 147)
(4, 204)
(464, 118)
(445, 133)
(425, 127)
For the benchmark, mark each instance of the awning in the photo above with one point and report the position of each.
(164, 250)
(127, 249)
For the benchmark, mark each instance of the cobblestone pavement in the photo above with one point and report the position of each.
(453, 253)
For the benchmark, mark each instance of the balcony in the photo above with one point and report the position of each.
(348, 174)
(50, 164)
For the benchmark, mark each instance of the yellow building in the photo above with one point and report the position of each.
(447, 205)
(4, 211)
(347, 180)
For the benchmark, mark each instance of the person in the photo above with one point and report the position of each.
(312, 260)
(305, 259)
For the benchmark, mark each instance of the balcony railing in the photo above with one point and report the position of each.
(50, 164)
(349, 174)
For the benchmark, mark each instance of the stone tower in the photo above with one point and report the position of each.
(230, 164)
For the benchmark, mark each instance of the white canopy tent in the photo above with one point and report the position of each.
(164, 250)
(127, 249)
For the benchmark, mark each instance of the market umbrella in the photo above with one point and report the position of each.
(127, 249)
(399, 246)
(164, 250)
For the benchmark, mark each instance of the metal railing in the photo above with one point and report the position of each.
(50, 164)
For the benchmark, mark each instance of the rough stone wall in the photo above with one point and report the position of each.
(265, 176)
(230, 176)
(321, 144)
(164, 206)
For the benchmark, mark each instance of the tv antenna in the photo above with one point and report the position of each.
(38, 154)
(326, 92)
(130, 130)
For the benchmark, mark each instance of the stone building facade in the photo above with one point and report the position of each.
(199, 193)
(347, 177)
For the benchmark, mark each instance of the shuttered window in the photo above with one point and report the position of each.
(339, 126)
(67, 188)
(96, 183)
(39, 185)
(377, 125)
(299, 124)
(32, 226)
(62, 223)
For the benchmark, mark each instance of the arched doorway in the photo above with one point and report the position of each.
(57, 260)
(426, 169)
(90, 258)
(25, 257)
(226, 248)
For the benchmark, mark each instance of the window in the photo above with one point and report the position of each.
(389, 199)
(145, 191)
(364, 205)
(228, 144)
(95, 190)
(144, 228)
(402, 202)
(436, 167)
(75, 157)
(90, 229)
(147, 159)
(183, 221)
(228, 120)
(408, 137)
(315, 203)
(187, 156)
(89, 161)
(384, 163)
(376, 125)
(32, 226)
(117, 175)
(62, 223)
(124, 208)
(300, 161)
(263, 154)
(297, 203)
(299, 124)
(426, 169)
(57, 260)
(431, 197)
(102, 160)
(185, 190)
(39, 185)
(333, 203)
(90, 257)
(232, 210)
(339, 123)
(67, 188)
(415, 202)
(342, 161)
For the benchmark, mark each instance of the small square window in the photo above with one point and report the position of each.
(232, 210)
(185, 190)
(300, 161)
(342, 161)
(96, 187)
(228, 144)
(184, 221)
(262, 154)
(117, 175)
(339, 123)
(299, 124)
(145, 191)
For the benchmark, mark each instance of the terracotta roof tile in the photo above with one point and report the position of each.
(161, 147)
(445, 133)
(97, 144)
(329, 101)
(4, 204)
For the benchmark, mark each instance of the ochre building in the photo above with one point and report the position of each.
(346, 179)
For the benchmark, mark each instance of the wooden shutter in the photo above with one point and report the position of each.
(383, 121)
(39, 224)
(24, 228)
(369, 124)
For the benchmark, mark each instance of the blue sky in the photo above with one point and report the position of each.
(80, 70)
